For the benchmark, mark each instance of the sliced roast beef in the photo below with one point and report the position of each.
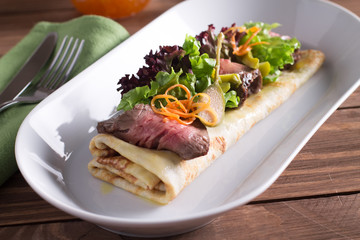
(251, 78)
(142, 127)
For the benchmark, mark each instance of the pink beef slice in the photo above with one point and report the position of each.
(144, 128)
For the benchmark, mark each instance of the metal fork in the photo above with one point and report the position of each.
(54, 77)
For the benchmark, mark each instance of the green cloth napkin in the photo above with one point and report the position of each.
(101, 35)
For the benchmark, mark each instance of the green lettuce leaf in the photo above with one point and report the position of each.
(162, 82)
(191, 46)
(138, 95)
(166, 80)
(231, 99)
(202, 65)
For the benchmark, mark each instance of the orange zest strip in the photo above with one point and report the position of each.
(184, 111)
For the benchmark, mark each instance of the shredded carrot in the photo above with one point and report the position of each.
(184, 111)
(233, 29)
(246, 47)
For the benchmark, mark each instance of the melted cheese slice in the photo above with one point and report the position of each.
(161, 175)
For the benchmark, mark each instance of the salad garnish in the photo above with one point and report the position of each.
(177, 77)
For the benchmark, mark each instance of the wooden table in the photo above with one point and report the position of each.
(317, 197)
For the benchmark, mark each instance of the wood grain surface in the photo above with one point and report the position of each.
(316, 197)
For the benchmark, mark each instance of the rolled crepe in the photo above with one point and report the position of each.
(161, 175)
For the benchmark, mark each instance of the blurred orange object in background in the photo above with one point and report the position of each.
(110, 8)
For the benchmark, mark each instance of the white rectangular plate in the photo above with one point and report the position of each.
(52, 144)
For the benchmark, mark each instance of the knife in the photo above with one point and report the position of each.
(31, 67)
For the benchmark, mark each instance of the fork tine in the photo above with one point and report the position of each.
(54, 61)
(74, 61)
(55, 74)
(60, 81)
(59, 69)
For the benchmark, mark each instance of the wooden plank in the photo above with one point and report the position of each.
(352, 101)
(325, 165)
(19, 204)
(13, 7)
(335, 217)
